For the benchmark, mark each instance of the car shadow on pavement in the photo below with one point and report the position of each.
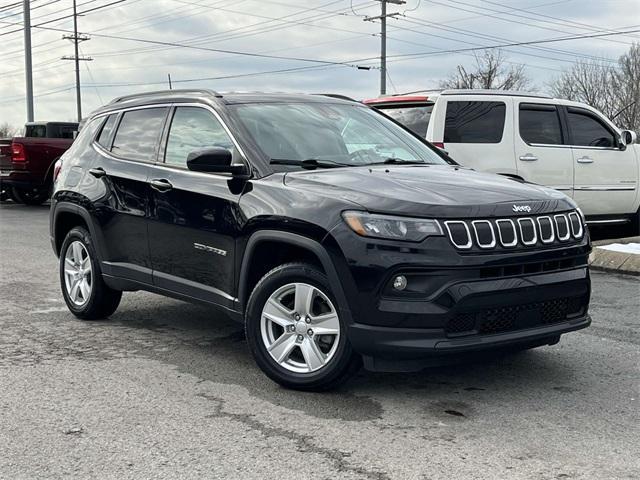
(201, 342)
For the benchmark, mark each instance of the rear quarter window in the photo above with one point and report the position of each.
(474, 122)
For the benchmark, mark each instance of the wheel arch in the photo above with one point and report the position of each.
(301, 244)
(66, 216)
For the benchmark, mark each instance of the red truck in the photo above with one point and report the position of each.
(27, 163)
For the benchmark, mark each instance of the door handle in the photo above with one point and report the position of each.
(97, 172)
(161, 185)
(528, 157)
(585, 159)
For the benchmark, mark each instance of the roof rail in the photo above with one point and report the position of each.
(507, 93)
(336, 95)
(164, 92)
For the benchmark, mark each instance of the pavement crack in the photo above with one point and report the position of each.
(304, 443)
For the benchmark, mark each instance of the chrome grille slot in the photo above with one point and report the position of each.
(545, 225)
(507, 233)
(459, 234)
(562, 227)
(528, 234)
(485, 235)
(576, 225)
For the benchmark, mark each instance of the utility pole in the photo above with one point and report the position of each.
(77, 58)
(27, 58)
(169, 77)
(383, 39)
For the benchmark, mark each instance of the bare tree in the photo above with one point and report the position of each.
(626, 88)
(489, 72)
(614, 89)
(7, 130)
(588, 82)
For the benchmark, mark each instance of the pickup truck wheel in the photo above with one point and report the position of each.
(83, 288)
(635, 224)
(295, 332)
(31, 196)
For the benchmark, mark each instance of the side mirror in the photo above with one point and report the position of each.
(628, 137)
(213, 160)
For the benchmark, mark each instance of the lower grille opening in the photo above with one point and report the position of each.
(532, 268)
(516, 317)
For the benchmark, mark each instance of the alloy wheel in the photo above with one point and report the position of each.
(300, 328)
(78, 277)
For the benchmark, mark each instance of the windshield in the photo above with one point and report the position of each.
(343, 134)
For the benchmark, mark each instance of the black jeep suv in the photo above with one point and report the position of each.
(333, 233)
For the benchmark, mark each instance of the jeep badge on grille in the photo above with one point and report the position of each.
(521, 208)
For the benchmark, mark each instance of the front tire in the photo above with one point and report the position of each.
(83, 289)
(295, 332)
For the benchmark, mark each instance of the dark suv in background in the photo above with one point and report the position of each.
(333, 233)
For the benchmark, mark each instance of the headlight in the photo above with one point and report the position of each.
(391, 228)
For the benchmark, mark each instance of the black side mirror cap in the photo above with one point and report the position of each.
(213, 160)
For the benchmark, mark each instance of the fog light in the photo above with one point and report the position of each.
(400, 282)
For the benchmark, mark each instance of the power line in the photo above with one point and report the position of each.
(470, 33)
(485, 14)
(64, 17)
(561, 22)
(512, 44)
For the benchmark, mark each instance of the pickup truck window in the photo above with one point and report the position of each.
(104, 138)
(36, 131)
(139, 132)
(540, 124)
(474, 122)
(194, 128)
(589, 131)
(415, 118)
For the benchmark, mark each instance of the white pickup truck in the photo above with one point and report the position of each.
(565, 145)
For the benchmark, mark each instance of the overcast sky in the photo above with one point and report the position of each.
(327, 31)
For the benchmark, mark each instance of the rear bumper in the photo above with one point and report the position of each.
(20, 179)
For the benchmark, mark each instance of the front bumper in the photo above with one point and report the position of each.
(460, 304)
(491, 314)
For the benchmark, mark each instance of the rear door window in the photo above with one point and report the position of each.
(415, 118)
(139, 133)
(587, 130)
(474, 122)
(540, 124)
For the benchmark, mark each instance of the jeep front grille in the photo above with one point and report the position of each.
(523, 232)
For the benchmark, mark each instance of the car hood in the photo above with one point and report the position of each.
(437, 190)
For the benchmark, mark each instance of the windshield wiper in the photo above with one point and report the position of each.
(399, 161)
(309, 164)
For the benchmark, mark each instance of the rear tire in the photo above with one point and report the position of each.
(83, 288)
(295, 332)
(31, 196)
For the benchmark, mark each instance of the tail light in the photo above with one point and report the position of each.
(18, 153)
(56, 168)
(438, 144)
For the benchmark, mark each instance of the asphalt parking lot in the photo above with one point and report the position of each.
(165, 389)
